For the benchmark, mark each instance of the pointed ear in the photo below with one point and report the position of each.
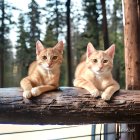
(90, 49)
(59, 46)
(111, 51)
(39, 47)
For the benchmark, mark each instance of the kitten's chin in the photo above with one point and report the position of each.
(98, 72)
(46, 68)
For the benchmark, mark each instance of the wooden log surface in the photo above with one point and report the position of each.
(68, 105)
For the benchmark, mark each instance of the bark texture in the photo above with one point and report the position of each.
(68, 106)
(132, 44)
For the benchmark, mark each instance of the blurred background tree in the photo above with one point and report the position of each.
(33, 27)
(22, 53)
(96, 21)
(6, 54)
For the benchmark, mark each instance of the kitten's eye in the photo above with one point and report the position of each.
(54, 57)
(94, 60)
(105, 61)
(44, 57)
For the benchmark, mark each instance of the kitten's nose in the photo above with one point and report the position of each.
(49, 64)
(100, 66)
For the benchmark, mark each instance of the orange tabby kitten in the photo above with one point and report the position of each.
(43, 74)
(95, 75)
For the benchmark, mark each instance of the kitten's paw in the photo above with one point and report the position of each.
(35, 91)
(95, 93)
(27, 94)
(106, 97)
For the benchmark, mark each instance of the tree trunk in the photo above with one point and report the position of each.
(2, 32)
(104, 24)
(132, 53)
(57, 18)
(132, 46)
(69, 48)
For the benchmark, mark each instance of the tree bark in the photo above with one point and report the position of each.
(68, 106)
(132, 49)
(132, 46)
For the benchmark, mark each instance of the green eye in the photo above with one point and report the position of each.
(54, 57)
(105, 61)
(95, 60)
(44, 57)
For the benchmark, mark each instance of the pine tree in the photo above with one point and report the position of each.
(8, 65)
(55, 17)
(92, 27)
(5, 45)
(22, 47)
(50, 38)
(33, 27)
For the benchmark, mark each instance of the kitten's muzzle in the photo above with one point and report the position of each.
(49, 65)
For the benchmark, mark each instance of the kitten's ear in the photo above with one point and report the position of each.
(111, 51)
(90, 49)
(39, 47)
(59, 46)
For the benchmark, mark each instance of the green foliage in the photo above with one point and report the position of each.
(91, 14)
(23, 54)
(33, 27)
(6, 55)
(55, 16)
(50, 37)
(8, 65)
(116, 36)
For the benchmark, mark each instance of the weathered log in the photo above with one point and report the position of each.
(68, 105)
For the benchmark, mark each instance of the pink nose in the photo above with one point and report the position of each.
(100, 67)
(49, 64)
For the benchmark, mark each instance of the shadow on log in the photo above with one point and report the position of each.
(68, 105)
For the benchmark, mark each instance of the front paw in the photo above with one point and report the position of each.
(106, 97)
(35, 91)
(95, 93)
(27, 94)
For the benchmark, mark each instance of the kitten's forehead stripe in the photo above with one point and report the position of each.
(50, 52)
(99, 55)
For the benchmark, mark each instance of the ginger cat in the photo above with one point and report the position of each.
(43, 74)
(95, 75)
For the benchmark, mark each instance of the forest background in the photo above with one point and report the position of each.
(96, 21)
